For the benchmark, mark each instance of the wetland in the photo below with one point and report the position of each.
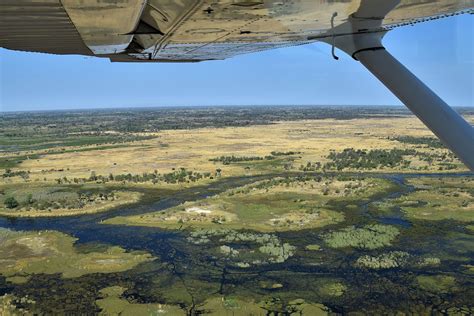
(229, 219)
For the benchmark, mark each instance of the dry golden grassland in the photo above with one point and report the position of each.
(193, 149)
(169, 151)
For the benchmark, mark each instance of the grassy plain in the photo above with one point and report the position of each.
(188, 157)
(112, 303)
(23, 254)
(45, 158)
(437, 199)
(327, 225)
(56, 155)
(279, 204)
(193, 149)
(49, 200)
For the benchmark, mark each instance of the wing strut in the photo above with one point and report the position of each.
(440, 118)
(361, 37)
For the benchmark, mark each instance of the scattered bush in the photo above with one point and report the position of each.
(10, 202)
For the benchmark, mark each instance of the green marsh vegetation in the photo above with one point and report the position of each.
(437, 283)
(279, 204)
(112, 303)
(437, 199)
(32, 200)
(24, 254)
(395, 259)
(270, 249)
(219, 270)
(367, 237)
(292, 242)
(364, 247)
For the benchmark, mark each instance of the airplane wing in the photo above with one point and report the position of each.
(187, 30)
(197, 30)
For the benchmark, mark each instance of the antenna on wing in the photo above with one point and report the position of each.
(333, 50)
(366, 46)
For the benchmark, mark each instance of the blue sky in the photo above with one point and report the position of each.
(440, 52)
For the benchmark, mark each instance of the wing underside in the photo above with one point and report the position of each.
(186, 30)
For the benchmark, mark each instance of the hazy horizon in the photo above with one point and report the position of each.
(440, 53)
(157, 107)
(203, 106)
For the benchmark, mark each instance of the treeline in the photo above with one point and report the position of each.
(285, 153)
(311, 166)
(381, 158)
(372, 159)
(156, 119)
(267, 184)
(9, 174)
(303, 178)
(428, 141)
(177, 176)
(65, 201)
(227, 160)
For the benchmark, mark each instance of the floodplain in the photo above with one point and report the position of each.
(233, 211)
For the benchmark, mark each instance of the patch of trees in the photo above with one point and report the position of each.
(381, 158)
(59, 200)
(310, 166)
(447, 166)
(285, 153)
(283, 181)
(371, 159)
(10, 202)
(9, 174)
(227, 160)
(177, 176)
(428, 141)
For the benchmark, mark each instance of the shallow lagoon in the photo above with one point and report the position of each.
(421, 266)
